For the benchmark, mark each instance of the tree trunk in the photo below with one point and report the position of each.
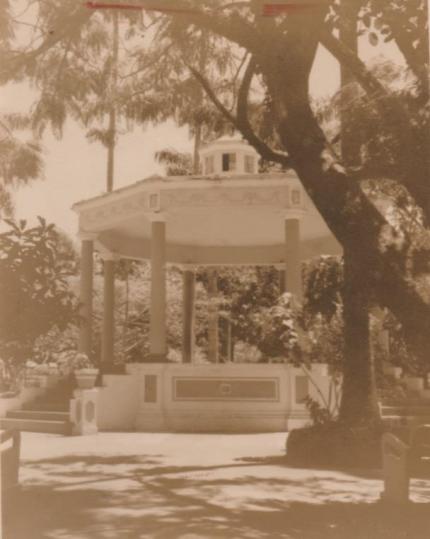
(359, 403)
(197, 143)
(352, 217)
(359, 395)
(112, 111)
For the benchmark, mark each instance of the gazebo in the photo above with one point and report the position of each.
(229, 215)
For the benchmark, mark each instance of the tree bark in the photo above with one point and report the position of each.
(359, 404)
(359, 395)
(352, 217)
(112, 112)
(197, 143)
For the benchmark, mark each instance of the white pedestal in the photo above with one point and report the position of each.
(83, 411)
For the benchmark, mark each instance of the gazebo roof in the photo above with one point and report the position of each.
(217, 220)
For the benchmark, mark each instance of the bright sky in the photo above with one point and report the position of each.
(76, 169)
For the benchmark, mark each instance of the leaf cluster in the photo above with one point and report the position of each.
(35, 264)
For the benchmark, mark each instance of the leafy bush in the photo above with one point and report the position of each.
(35, 264)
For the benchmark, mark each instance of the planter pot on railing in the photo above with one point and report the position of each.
(86, 378)
(414, 383)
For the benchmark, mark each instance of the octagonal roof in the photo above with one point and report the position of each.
(209, 220)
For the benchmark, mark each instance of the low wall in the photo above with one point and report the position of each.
(207, 398)
(26, 394)
(118, 402)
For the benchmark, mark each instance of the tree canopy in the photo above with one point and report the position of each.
(274, 51)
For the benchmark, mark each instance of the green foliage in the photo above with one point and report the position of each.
(323, 285)
(20, 161)
(242, 294)
(176, 163)
(320, 415)
(279, 335)
(35, 264)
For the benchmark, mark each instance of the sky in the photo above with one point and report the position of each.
(75, 169)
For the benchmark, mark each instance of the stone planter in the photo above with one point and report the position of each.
(414, 383)
(86, 378)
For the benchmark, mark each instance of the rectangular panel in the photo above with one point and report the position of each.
(260, 389)
(150, 388)
(302, 389)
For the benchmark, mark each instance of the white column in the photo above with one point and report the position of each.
(108, 328)
(188, 292)
(157, 331)
(213, 317)
(293, 274)
(86, 296)
(229, 340)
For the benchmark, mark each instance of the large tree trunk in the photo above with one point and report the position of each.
(359, 395)
(359, 403)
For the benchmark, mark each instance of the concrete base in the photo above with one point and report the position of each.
(226, 422)
(165, 397)
(83, 411)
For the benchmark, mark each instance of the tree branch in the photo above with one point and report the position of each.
(389, 107)
(230, 26)
(242, 124)
(70, 24)
(416, 58)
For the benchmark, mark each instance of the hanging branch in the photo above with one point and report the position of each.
(242, 124)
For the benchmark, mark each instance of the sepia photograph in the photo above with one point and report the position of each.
(214, 269)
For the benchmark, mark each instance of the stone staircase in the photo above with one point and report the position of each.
(48, 413)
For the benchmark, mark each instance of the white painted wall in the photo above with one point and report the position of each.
(118, 402)
(122, 403)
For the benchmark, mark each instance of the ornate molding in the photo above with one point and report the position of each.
(155, 204)
(227, 196)
(116, 209)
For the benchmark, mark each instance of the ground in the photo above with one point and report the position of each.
(190, 486)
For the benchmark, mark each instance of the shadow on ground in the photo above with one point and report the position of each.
(92, 497)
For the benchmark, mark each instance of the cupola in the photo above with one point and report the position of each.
(229, 156)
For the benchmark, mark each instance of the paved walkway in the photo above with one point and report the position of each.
(156, 486)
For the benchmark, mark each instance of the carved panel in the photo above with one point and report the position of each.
(228, 196)
(90, 411)
(248, 389)
(302, 388)
(150, 388)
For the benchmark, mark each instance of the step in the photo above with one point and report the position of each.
(34, 425)
(57, 394)
(37, 406)
(38, 414)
